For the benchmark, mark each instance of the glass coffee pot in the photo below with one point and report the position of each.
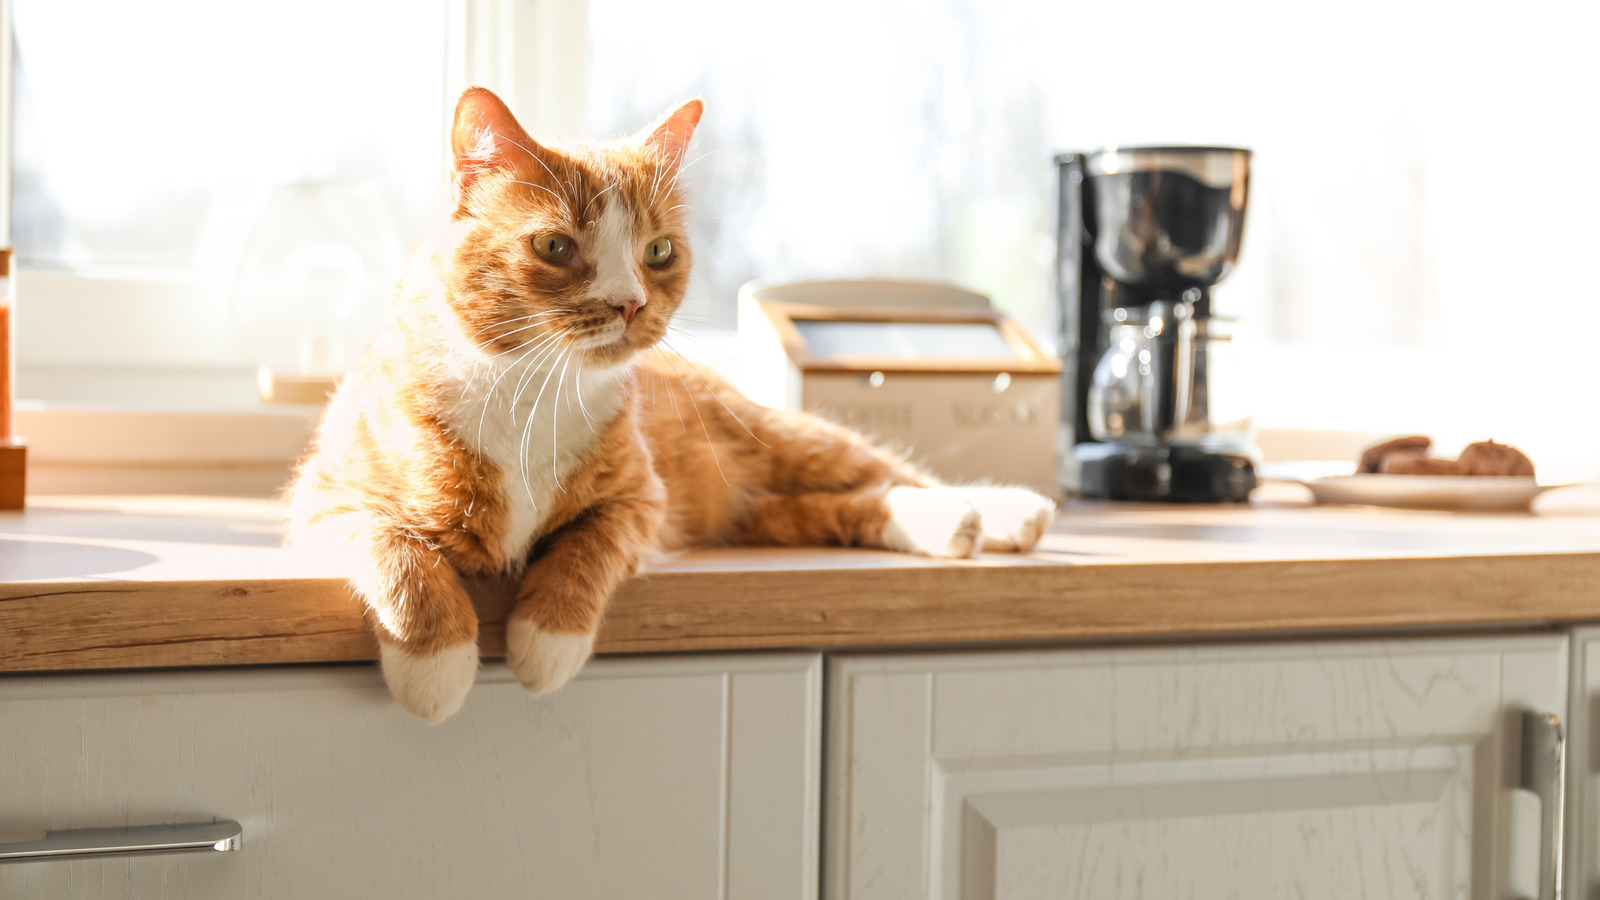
(1152, 385)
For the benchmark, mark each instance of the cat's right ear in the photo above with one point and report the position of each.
(484, 138)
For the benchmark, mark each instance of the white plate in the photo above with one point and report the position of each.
(1478, 492)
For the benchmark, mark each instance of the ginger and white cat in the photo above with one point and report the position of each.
(513, 419)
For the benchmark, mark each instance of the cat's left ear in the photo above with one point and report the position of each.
(668, 139)
(485, 137)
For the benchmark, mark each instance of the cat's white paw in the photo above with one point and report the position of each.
(932, 522)
(1014, 518)
(543, 660)
(430, 685)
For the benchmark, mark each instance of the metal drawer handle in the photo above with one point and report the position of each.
(144, 840)
(1544, 772)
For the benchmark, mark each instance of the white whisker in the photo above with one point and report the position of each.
(540, 340)
(522, 461)
(580, 399)
(548, 353)
(489, 397)
(522, 449)
(546, 168)
(594, 198)
(493, 325)
(655, 179)
(715, 396)
(710, 444)
(538, 397)
(672, 395)
(684, 168)
(541, 187)
(555, 425)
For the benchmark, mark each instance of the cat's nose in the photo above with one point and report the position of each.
(628, 308)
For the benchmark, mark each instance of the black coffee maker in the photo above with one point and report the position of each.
(1144, 233)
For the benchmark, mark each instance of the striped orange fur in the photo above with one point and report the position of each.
(514, 418)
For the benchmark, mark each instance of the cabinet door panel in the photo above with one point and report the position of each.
(1267, 770)
(679, 777)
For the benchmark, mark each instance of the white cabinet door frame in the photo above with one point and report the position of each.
(1333, 768)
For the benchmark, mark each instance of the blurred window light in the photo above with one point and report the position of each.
(150, 135)
(913, 138)
(1396, 228)
(1392, 203)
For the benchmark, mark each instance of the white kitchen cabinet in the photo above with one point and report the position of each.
(687, 777)
(1305, 770)
(1583, 768)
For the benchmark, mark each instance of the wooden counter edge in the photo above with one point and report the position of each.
(130, 625)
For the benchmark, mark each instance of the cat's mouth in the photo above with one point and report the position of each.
(605, 339)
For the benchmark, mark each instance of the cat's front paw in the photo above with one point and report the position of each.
(544, 660)
(934, 521)
(430, 685)
(1014, 518)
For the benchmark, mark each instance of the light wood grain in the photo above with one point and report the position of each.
(92, 583)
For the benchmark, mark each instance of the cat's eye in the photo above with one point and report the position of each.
(659, 253)
(555, 249)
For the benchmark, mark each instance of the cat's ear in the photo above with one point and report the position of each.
(668, 139)
(485, 137)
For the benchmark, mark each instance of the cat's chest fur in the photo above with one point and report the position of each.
(536, 427)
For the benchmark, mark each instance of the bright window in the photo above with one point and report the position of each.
(188, 172)
(1411, 261)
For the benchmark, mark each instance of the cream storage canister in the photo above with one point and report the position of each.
(930, 369)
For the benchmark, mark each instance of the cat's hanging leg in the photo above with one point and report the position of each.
(428, 630)
(562, 599)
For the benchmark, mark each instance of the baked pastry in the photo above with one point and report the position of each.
(1401, 464)
(1409, 456)
(1490, 458)
(1412, 446)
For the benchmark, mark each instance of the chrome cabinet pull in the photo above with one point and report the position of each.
(144, 840)
(1544, 772)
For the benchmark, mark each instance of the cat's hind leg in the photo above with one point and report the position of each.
(1014, 518)
(830, 485)
(816, 482)
(427, 629)
(932, 521)
(813, 455)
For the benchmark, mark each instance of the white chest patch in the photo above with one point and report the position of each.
(535, 420)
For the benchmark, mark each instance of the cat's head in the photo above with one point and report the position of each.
(566, 248)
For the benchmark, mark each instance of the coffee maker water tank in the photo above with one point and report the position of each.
(1169, 218)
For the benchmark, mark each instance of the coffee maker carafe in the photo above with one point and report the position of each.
(1144, 234)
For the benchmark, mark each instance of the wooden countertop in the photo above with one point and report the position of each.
(131, 582)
